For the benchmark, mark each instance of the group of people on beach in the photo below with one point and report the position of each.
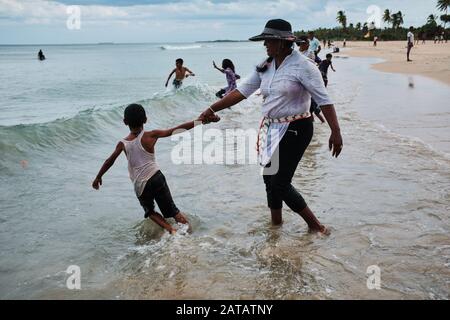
(288, 80)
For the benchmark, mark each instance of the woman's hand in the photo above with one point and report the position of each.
(335, 143)
(208, 116)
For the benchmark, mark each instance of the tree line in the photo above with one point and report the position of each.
(394, 29)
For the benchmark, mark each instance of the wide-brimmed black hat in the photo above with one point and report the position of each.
(276, 29)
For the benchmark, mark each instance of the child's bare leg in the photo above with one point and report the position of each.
(159, 219)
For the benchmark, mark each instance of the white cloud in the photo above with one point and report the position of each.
(196, 19)
(197, 9)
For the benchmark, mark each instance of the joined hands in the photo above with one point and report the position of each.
(208, 116)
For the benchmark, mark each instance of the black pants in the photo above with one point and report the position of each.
(157, 190)
(290, 152)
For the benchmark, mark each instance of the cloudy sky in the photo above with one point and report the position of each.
(46, 22)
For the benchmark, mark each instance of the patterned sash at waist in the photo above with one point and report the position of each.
(265, 124)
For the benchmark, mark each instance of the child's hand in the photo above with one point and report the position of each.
(213, 118)
(97, 183)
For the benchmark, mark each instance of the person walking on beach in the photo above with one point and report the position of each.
(287, 81)
(180, 73)
(229, 71)
(314, 46)
(410, 43)
(375, 39)
(323, 67)
(149, 183)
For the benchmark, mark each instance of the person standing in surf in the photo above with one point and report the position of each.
(314, 46)
(180, 73)
(303, 45)
(41, 55)
(287, 81)
(229, 70)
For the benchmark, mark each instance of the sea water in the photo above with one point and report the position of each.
(386, 198)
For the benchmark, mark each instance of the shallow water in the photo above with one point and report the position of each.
(386, 199)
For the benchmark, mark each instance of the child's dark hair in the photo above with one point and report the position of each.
(179, 60)
(329, 55)
(227, 63)
(263, 67)
(134, 115)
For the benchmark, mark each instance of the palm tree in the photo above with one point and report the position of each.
(358, 26)
(400, 18)
(365, 27)
(387, 16)
(342, 19)
(397, 19)
(443, 5)
(431, 19)
(394, 20)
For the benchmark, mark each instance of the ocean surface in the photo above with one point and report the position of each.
(386, 199)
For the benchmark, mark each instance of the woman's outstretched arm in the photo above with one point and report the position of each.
(231, 99)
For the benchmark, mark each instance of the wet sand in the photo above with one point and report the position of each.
(429, 59)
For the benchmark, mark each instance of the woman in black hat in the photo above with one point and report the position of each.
(287, 81)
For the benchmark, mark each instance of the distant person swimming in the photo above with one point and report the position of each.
(229, 70)
(149, 183)
(41, 55)
(180, 73)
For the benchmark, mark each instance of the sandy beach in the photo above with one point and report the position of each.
(430, 59)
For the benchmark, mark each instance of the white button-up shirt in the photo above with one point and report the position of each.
(286, 91)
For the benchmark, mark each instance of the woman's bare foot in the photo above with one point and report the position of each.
(323, 230)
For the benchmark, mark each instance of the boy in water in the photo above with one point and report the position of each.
(180, 73)
(323, 67)
(149, 183)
